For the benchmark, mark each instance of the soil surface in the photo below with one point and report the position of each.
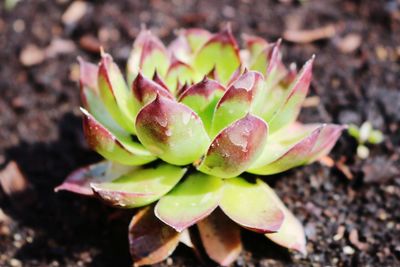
(351, 212)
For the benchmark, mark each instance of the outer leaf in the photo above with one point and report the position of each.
(220, 51)
(220, 238)
(190, 201)
(148, 55)
(115, 94)
(172, 131)
(237, 100)
(202, 98)
(139, 187)
(291, 107)
(88, 74)
(90, 95)
(235, 148)
(79, 180)
(251, 205)
(318, 143)
(291, 234)
(326, 141)
(150, 240)
(120, 149)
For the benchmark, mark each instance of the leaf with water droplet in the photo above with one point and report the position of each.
(190, 201)
(235, 148)
(139, 187)
(172, 131)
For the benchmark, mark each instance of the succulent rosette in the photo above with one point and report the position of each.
(191, 119)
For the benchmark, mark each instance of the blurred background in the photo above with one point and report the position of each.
(350, 207)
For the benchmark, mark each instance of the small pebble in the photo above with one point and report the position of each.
(348, 250)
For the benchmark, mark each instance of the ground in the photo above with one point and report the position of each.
(351, 212)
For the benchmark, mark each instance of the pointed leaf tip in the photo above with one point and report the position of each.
(291, 234)
(104, 142)
(146, 90)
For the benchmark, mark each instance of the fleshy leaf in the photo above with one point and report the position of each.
(148, 55)
(150, 240)
(273, 74)
(197, 38)
(172, 131)
(180, 48)
(220, 237)
(202, 98)
(190, 201)
(254, 45)
(115, 94)
(237, 100)
(235, 148)
(291, 234)
(251, 205)
(145, 91)
(314, 145)
(139, 187)
(326, 141)
(79, 180)
(290, 109)
(88, 74)
(113, 146)
(180, 72)
(220, 51)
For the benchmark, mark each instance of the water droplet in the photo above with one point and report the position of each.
(168, 132)
(186, 117)
(239, 138)
(162, 121)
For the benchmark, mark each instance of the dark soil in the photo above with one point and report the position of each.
(40, 129)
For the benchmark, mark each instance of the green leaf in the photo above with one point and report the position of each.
(113, 145)
(148, 55)
(180, 72)
(202, 97)
(150, 240)
(172, 131)
(79, 180)
(251, 205)
(235, 148)
(190, 201)
(197, 38)
(305, 148)
(115, 93)
(220, 51)
(237, 100)
(139, 187)
(290, 109)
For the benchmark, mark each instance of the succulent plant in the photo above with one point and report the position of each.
(196, 116)
(365, 134)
